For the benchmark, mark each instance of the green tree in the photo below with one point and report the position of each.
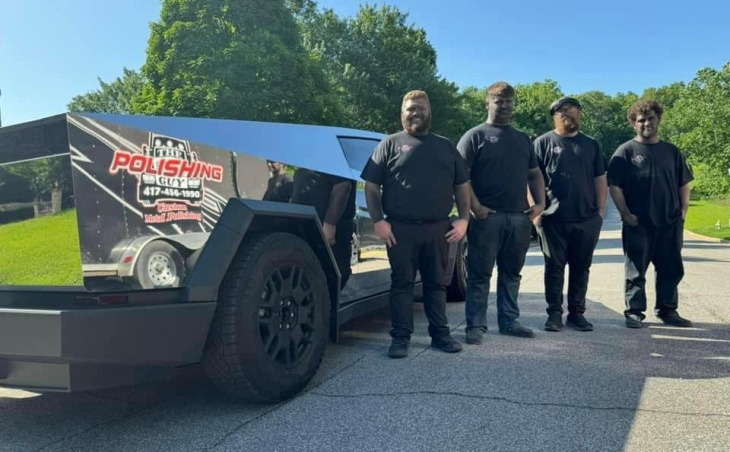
(532, 106)
(237, 59)
(604, 118)
(114, 97)
(372, 60)
(697, 124)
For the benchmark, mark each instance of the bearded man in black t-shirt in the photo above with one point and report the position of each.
(502, 164)
(649, 183)
(575, 180)
(420, 174)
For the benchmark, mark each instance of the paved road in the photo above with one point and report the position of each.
(612, 389)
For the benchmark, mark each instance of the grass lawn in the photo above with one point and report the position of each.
(704, 213)
(41, 251)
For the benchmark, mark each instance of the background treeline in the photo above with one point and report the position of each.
(290, 61)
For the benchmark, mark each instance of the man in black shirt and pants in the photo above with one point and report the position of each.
(280, 185)
(420, 173)
(568, 229)
(649, 183)
(333, 198)
(502, 163)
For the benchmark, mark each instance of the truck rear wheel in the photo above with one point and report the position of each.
(269, 332)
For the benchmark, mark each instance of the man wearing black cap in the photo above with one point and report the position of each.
(575, 179)
(421, 173)
(650, 186)
(502, 164)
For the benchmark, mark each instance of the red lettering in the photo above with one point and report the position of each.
(187, 169)
(217, 173)
(137, 164)
(119, 161)
(172, 167)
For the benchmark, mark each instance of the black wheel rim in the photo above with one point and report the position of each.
(286, 315)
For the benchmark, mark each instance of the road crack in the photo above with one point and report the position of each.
(514, 402)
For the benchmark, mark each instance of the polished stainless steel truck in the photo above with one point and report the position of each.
(131, 246)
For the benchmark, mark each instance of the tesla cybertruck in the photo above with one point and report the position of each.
(131, 246)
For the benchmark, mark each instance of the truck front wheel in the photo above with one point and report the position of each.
(269, 332)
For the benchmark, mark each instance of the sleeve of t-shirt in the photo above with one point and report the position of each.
(684, 174)
(599, 164)
(374, 170)
(533, 156)
(466, 149)
(461, 172)
(617, 169)
(540, 153)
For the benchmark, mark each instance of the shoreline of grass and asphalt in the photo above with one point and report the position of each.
(709, 219)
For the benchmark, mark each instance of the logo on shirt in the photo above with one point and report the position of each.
(404, 148)
(557, 150)
(638, 159)
(493, 139)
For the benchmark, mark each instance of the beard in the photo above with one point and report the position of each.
(416, 127)
(568, 124)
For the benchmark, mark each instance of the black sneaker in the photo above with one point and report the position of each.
(399, 347)
(517, 330)
(578, 322)
(554, 322)
(474, 336)
(634, 321)
(672, 318)
(446, 344)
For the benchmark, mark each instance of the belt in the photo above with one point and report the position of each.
(398, 220)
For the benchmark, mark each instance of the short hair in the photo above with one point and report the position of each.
(500, 88)
(643, 107)
(415, 94)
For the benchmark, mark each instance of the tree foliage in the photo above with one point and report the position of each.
(290, 61)
(235, 59)
(114, 97)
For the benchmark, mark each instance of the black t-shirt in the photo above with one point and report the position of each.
(312, 188)
(569, 165)
(650, 176)
(279, 188)
(498, 159)
(418, 175)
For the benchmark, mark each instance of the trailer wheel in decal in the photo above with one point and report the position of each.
(159, 265)
(269, 331)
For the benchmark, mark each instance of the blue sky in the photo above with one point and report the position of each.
(51, 50)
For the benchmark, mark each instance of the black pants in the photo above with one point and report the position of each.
(572, 244)
(503, 238)
(663, 248)
(419, 247)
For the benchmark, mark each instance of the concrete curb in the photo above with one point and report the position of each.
(694, 235)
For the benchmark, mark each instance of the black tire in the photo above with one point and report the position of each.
(250, 354)
(159, 265)
(456, 291)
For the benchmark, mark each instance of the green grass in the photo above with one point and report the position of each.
(704, 213)
(41, 251)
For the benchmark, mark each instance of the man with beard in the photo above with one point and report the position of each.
(502, 164)
(280, 184)
(575, 179)
(649, 183)
(420, 174)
